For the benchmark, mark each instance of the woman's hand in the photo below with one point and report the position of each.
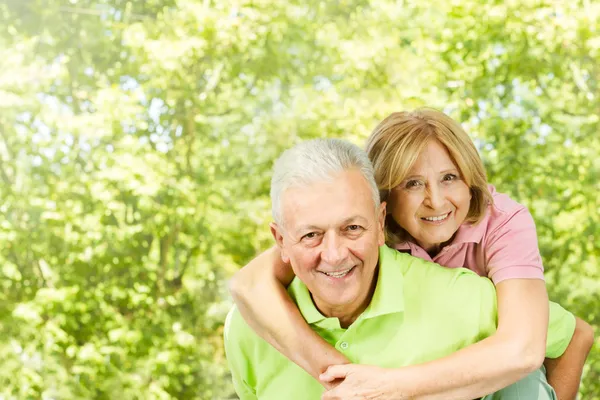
(361, 382)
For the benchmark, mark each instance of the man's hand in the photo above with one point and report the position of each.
(360, 382)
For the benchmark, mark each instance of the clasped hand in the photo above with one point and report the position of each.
(359, 382)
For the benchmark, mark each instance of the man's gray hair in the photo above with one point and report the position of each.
(318, 160)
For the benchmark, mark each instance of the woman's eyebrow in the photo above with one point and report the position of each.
(418, 176)
(412, 177)
(453, 169)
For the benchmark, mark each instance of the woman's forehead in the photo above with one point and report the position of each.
(435, 156)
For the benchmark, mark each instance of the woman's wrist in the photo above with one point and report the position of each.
(326, 357)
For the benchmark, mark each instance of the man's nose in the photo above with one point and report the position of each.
(435, 196)
(334, 249)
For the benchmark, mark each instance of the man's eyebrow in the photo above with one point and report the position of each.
(354, 218)
(305, 228)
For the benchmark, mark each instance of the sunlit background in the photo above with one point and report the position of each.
(137, 138)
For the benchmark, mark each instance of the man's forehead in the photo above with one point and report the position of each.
(328, 202)
(349, 184)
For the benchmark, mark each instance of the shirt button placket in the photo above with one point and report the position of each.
(344, 345)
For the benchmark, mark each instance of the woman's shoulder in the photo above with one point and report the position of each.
(509, 247)
(503, 203)
(506, 210)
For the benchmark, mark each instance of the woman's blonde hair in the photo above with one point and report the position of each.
(397, 142)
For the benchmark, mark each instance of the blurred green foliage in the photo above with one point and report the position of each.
(136, 141)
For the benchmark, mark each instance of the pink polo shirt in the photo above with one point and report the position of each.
(502, 246)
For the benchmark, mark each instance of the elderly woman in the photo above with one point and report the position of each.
(439, 208)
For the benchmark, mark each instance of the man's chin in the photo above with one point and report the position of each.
(336, 301)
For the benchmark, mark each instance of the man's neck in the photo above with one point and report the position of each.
(348, 313)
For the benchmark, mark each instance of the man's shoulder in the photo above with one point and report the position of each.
(432, 277)
(261, 369)
(456, 298)
(239, 337)
(236, 330)
(418, 267)
(231, 322)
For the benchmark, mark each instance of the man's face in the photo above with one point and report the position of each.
(331, 235)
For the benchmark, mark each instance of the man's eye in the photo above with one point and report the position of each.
(354, 228)
(310, 235)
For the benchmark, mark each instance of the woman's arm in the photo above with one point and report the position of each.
(564, 373)
(259, 291)
(516, 349)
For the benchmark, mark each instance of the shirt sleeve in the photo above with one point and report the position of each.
(512, 251)
(471, 299)
(477, 297)
(561, 327)
(239, 364)
(480, 291)
(485, 293)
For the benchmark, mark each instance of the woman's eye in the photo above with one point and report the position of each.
(450, 177)
(413, 184)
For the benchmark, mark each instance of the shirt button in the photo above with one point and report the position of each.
(344, 345)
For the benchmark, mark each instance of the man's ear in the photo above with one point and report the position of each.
(277, 233)
(381, 223)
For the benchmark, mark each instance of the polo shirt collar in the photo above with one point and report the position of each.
(301, 295)
(469, 233)
(388, 296)
(389, 292)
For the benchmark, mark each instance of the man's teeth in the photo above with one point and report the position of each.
(338, 274)
(441, 217)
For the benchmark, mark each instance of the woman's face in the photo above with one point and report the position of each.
(433, 201)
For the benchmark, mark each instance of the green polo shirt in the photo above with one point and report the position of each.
(419, 312)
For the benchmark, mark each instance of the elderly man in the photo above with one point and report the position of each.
(376, 305)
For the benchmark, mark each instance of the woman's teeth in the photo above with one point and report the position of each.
(440, 218)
